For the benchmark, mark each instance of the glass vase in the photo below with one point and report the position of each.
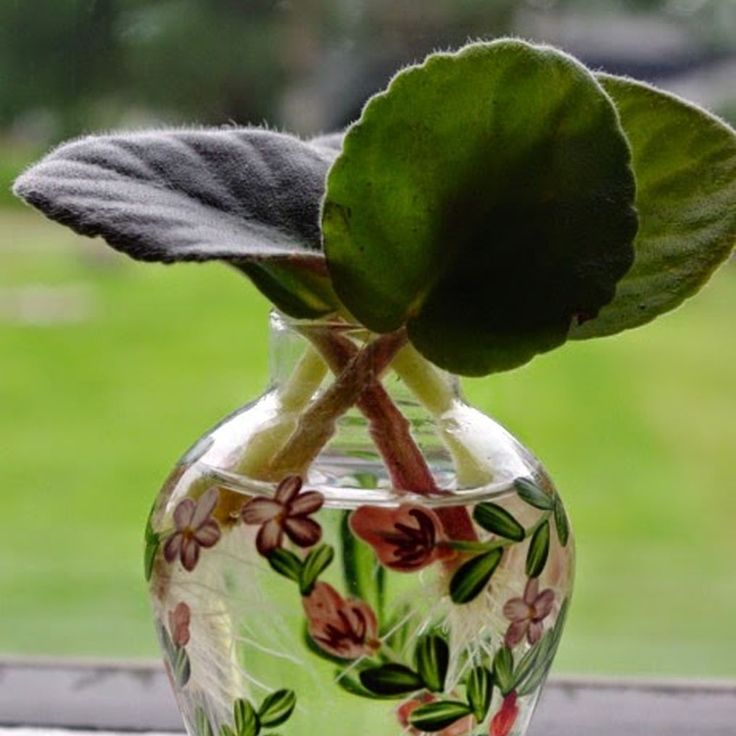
(357, 551)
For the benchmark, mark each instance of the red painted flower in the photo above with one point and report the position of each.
(345, 628)
(179, 620)
(195, 528)
(286, 513)
(406, 538)
(527, 614)
(461, 727)
(505, 719)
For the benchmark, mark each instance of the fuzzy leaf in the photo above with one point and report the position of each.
(433, 717)
(685, 165)
(495, 519)
(472, 577)
(391, 680)
(485, 200)
(243, 195)
(432, 657)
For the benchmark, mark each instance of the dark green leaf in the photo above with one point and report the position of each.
(494, 518)
(391, 679)
(561, 523)
(471, 578)
(225, 730)
(533, 495)
(277, 708)
(352, 685)
(285, 563)
(153, 541)
(531, 660)
(432, 656)
(479, 690)
(364, 577)
(485, 200)
(246, 718)
(685, 165)
(315, 563)
(436, 716)
(536, 556)
(202, 726)
(503, 670)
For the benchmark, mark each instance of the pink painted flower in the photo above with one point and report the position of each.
(345, 628)
(405, 539)
(527, 614)
(179, 620)
(195, 528)
(459, 728)
(505, 719)
(286, 513)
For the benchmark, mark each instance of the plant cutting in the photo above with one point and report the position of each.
(359, 550)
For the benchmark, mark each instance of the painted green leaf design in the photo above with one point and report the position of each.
(532, 494)
(432, 655)
(479, 691)
(202, 726)
(685, 165)
(285, 563)
(246, 718)
(277, 708)
(364, 576)
(315, 563)
(562, 525)
(471, 578)
(152, 542)
(351, 684)
(225, 730)
(532, 659)
(181, 667)
(494, 518)
(503, 670)
(391, 680)
(485, 200)
(536, 556)
(436, 716)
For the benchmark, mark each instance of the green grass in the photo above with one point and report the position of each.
(638, 431)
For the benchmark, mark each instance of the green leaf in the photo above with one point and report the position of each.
(285, 563)
(532, 494)
(432, 656)
(532, 659)
(277, 708)
(202, 726)
(503, 670)
(315, 563)
(536, 556)
(246, 718)
(485, 199)
(494, 518)
(562, 525)
(479, 690)
(365, 577)
(436, 716)
(225, 730)
(685, 165)
(391, 679)
(181, 667)
(152, 542)
(349, 683)
(471, 578)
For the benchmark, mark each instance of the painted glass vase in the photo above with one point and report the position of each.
(357, 551)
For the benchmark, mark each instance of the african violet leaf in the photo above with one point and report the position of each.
(485, 200)
(685, 165)
(243, 195)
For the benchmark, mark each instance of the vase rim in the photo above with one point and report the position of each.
(352, 497)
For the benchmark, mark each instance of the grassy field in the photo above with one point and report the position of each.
(109, 369)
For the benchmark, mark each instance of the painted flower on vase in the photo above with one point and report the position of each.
(461, 727)
(405, 539)
(179, 619)
(287, 513)
(194, 529)
(527, 614)
(345, 628)
(505, 719)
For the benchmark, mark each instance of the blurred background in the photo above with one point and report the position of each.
(110, 369)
